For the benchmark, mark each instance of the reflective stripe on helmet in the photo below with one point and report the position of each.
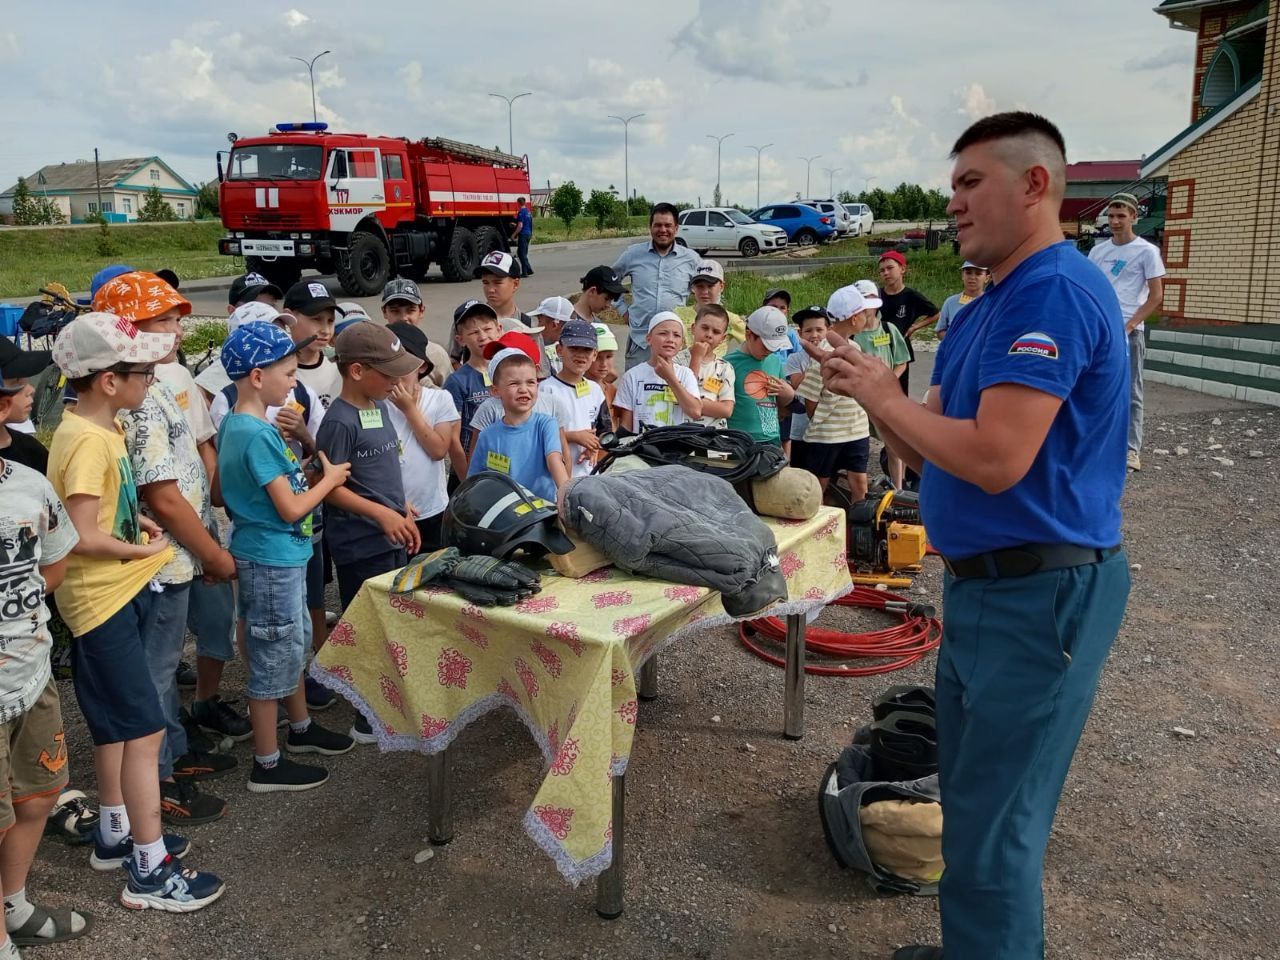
(493, 512)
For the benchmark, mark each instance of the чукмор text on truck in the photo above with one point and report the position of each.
(365, 208)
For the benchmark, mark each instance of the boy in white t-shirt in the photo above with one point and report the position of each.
(715, 375)
(585, 398)
(659, 392)
(427, 424)
(313, 310)
(1134, 267)
(812, 322)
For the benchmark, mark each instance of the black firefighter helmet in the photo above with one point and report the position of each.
(493, 515)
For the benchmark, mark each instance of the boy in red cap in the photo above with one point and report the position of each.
(903, 307)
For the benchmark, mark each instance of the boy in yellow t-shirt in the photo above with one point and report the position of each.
(104, 600)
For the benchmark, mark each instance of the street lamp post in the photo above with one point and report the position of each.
(808, 162)
(626, 171)
(510, 103)
(866, 183)
(758, 150)
(311, 72)
(831, 179)
(718, 140)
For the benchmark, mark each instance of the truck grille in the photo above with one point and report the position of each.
(269, 220)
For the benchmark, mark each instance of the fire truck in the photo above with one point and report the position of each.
(364, 208)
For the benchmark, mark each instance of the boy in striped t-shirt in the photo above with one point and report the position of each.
(838, 435)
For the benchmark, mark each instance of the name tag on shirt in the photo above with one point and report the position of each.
(497, 461)
(881, 340)
(582, 388)
(371, 419)
(183, 402)
(712, 384)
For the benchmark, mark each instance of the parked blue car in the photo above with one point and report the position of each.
(804, 225)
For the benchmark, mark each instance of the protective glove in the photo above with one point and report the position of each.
(425, 568)
(497, 574)
(480, 595)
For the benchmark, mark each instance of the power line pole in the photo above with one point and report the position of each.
(718, 140)
(311, 72)
(626, 172)
(758, 150)
(511, 103)
(831, 178)
(808, 162)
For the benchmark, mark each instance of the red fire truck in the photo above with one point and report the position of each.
(365, 208)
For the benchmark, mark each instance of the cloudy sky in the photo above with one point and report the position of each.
(879, 90)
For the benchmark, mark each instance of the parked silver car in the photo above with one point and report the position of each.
(727, 228)
(840, 216)
(863, 218)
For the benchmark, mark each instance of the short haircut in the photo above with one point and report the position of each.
(85, 384)
(520, 200)
(473, 317)
(712, 310)
(663, 207)
(1031, 139)
(814, 316)
(520, 361)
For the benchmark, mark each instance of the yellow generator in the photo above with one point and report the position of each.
(886, 538)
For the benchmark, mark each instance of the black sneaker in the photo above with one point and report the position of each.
(186, 676)
(361, 731)
(285, 776)
(319, 697)
(316, 739)
(219, 717)
(194, 765)
(182, 802)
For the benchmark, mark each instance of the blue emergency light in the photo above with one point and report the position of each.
(302, 127)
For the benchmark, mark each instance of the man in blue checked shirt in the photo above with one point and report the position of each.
(661, 271)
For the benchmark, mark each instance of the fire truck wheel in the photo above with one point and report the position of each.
(367, 268)
(488, 239)
(463, 256)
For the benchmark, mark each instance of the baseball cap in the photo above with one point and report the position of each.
(662, 316)
(16, 363)
(498, 262)
(870, 294)
(558, 309)
(255, 311)
(470, 308)
(402, 288)
(137, 296)
(309, 297)
(169, 277)
(93, 342)
(813, 310)
(893, 255)
(105, 276)
(776, 293)
(413, 339)
(603, 278)
(845, 303)
(250, 287)
(254, 345)
(970, 265)
(1128, 199)
(579, 333)
(505, 353)
(515, 341)
(376, 347)
(770, 325)
(605, 339)
(708, 270)
(352, 312)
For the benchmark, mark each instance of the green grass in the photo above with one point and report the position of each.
(29, 259)
(550, 230)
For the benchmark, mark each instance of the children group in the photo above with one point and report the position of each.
(332, 440)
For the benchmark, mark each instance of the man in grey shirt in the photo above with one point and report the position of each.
(661, 271)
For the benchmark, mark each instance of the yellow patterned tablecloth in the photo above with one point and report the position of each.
(421, 668)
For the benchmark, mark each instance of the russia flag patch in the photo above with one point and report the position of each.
(1035, 344)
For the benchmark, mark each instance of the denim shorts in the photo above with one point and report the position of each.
(112, 682)
(163, 632)
(211, 616)
(273, 604)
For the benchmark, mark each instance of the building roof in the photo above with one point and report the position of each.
(1185, 14)
(1166, 152)
(1091, 170)
(80, 175)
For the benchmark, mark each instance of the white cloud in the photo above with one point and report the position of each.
(295, 18)
(1174, 56)
(972, 101)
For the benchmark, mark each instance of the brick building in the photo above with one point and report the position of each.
(1223, 170)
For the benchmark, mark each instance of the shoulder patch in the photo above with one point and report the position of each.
(1035, 344)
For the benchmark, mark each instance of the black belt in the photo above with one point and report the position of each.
(1025, 559)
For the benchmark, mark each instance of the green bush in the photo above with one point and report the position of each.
(204, 335)
(617, 218)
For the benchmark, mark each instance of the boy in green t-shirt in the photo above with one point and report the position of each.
(759, 389)
(886, 342)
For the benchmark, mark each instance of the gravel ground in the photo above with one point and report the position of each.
(1162, 849)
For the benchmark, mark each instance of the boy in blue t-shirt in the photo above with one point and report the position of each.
(524, 445)
(475, 325)
(270, 506)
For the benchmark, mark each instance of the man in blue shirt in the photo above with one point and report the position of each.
(1021, 447)
(522, 230)
(661, 271)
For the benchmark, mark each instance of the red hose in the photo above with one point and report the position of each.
(897, 647)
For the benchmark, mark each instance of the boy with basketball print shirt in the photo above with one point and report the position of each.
(759, 388)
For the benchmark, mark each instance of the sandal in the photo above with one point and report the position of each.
(72, 819)
(28, 935)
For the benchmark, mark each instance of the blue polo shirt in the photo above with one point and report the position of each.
(526, 221)
(1053, 324)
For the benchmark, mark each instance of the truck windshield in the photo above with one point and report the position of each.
(276, 161)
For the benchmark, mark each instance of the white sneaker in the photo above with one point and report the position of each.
(1135, 462)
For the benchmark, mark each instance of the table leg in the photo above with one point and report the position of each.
(440, 796)
(793, 682)
(648, 687)
(610, 885)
